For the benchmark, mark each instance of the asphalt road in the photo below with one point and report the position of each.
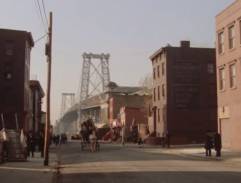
(31, 171)
(130, 164)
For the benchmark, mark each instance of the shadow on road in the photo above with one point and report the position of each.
(154, 177)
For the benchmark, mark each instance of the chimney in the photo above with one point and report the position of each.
(185, 44)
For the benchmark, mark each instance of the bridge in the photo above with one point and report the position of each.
(92, 100)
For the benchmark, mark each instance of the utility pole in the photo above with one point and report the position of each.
(48, 53)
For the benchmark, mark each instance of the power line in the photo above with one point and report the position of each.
(39, 39)
(37, 5)
(44, 11)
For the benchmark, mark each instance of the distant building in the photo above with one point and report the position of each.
(184, 93)
(36, 96)
(104, 108)
(228, 42)
(15, 48)
(130, 116)
(132, 97)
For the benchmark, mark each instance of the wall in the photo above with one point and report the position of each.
(229, 98)
(14, 97)
(118, 101)
(192, 102)
(188, 104)
(130, 115)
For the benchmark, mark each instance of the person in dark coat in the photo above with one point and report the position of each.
(41, 144)
(217, 144)
(167, 139)
(84, 132)
(208, 145)
(31, 144)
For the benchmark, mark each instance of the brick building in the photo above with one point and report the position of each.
(15, 48)
(36, 95)
(104, 108)
(228, 42)
(184, 93)
(117, 101)
(138, 116)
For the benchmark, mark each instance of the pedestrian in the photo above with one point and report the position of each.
(57, 139)
(140, 142)
(217, 144)
(134, 131)
(84, 132)
(23, 141)
(208, 145)
(31, 144)
(62, 138)
(65, 138)
(93, 140)
(167, 139)
(41, 144)
(5, 144)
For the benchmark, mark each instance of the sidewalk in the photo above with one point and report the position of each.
(198, 152)
(30, 171)
(192, 151)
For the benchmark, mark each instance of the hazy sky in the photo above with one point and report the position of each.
(130, 30)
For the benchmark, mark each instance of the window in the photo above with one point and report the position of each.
(8, 75)
(232, 71)
(9, 48)
(221, 79)
(210, 68)
(220, 42)
(158, 71)
(231, 37)
(163, 68)
(158, 92)
(154, 94)
(158, 115)
(163, 90)
(154, 73)
(240, 31)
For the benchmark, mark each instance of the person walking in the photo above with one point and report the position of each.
(217, 144)
(41, 144)
(208, 145)
(167, 140)
(84, 132)
(31, 144)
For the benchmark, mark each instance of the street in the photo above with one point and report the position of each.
(129, 164)
(30, 171)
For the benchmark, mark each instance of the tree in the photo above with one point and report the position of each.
(146, 81)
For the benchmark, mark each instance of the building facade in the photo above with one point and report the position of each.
(116, 102)
(134, 116)
(184, 93)
(104, 109)
(36, 95)
(15, 48)
(228, 52)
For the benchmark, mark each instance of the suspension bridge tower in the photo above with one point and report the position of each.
(95, 74)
